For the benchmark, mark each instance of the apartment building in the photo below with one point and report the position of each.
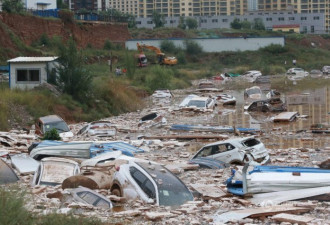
(298, 6)
(75, 5)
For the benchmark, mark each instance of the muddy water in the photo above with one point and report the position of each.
(313, 103)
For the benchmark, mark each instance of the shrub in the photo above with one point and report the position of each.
(275, 49)
(52, 135)
(107, 45)
(192, 47)
(159, 78)
(191, 23)
(12, 6)
(66, 16)
(168, 46)
(181, 58)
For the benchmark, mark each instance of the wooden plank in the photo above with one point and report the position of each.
(284, 217)
(285, 117)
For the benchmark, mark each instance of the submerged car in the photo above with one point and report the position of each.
(162, 93)
(47, 123)
(267, 105)
(296, 71)
(236, 151)
(200, 103)
(326, 70)
(252, 75)
(152, 183)
(52, 171)
(253, 92)
(98, 129)
(90, 197)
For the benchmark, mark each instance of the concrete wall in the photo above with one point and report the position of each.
(217, 44)
(42, 66)
(32, 4)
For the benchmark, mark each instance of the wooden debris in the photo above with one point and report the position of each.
(158, 215)
(209, 191)
(284, 217)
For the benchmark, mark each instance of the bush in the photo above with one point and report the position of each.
(12, 6)
(181, 58)
(159, 78)
(52, 135)
(66, 16)
(168, 46)
(107, 45)
(192, 47)
(275, 49)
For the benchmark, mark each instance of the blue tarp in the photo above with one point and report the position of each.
(4, 68)
(46, 13)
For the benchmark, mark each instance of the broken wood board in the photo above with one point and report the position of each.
(285, 117)
(284, 217)
(257, 212)
(187, 137)
(209, 191)
(24, 164)
(274, 198)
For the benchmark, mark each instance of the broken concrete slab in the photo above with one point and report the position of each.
(24, 164)
(284, 217)
(209, 191)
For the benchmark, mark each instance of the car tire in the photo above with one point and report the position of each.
(115, 190)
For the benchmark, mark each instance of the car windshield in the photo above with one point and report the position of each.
(251, 142)
(253, 91)
(171, 190)
(197, 103)
(60, 126)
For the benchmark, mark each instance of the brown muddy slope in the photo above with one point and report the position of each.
(30, 28)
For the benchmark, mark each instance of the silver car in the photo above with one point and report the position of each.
(236, 151)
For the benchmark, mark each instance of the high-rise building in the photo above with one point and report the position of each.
(252, 5)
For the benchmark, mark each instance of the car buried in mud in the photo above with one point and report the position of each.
(236, 151)
(50, 122)
(150, 182)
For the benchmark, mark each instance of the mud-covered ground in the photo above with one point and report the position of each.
(290, 144)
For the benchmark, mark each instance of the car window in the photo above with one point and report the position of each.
(206, 151)
(59, 126)
(90, 198)
(251, 142)
(144, 183)
(149, 189)
(229, 147)
(81, 194)
(102, 203)
(83, 129)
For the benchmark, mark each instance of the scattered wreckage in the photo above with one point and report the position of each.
(199, 104)
(267, 105)
(252, 75)
(236, 151)
(152, 120)
(253, 92)
(286, 117)
(162, 93)
(216, 129)
(98, 129)
(320, 128)
(226, 99)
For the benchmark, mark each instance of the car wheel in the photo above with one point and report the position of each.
(115, 190)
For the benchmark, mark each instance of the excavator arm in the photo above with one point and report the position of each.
(150, 47)
(160, 55)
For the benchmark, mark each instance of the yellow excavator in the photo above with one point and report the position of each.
(162, 59)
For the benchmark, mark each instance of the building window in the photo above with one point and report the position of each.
(312, 29)
(214, 20)
(28, 75)
(281, 18)
(224, 20)
(303, 18)
(138, 22)
(149, 22)
(316, 18)
(291, 18)
(269, 19)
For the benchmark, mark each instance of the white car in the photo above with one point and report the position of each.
(99, 129)
(200, 103)
(53, 171)
(326, 70)
(236, 151)
(152, 183)
(252, 75)
(253, 92)
(162, 94)
(297, 71)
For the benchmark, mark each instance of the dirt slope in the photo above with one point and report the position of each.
(30, 28)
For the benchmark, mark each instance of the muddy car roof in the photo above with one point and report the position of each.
(51, 118)
(230, 140)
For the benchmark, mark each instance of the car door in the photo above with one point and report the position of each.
(143, 182)
(226, 153)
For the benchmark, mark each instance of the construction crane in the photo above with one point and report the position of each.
(162, 59)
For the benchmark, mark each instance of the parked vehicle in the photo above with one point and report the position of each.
(326, 70)
(252, 75)
(297, 71)
(152, 183)
(253, 92)
(236, 151)
(206, 84)
(262, 179)
(186, 100)
(98, 129)
(200, 103)
(226, 99)
(90, 197)
(52, 171)
(47, 123)
(165, 93)
(7, 174)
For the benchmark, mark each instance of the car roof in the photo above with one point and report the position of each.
(50, 119)
(230, 140)
(199, 98)
(57, 159)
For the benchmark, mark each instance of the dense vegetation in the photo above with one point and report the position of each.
(91, 91)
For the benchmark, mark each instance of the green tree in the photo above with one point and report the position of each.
(61, 4)
(168, 46)
(107, 45)
(73, 78)
(158, 19)
(246, 25)
(52, 135)
(236, 24)
(182, 24)
(12, 6)
(159, 78)
(258, 24)
(191, 23)
(130, 65)
(131, 23)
